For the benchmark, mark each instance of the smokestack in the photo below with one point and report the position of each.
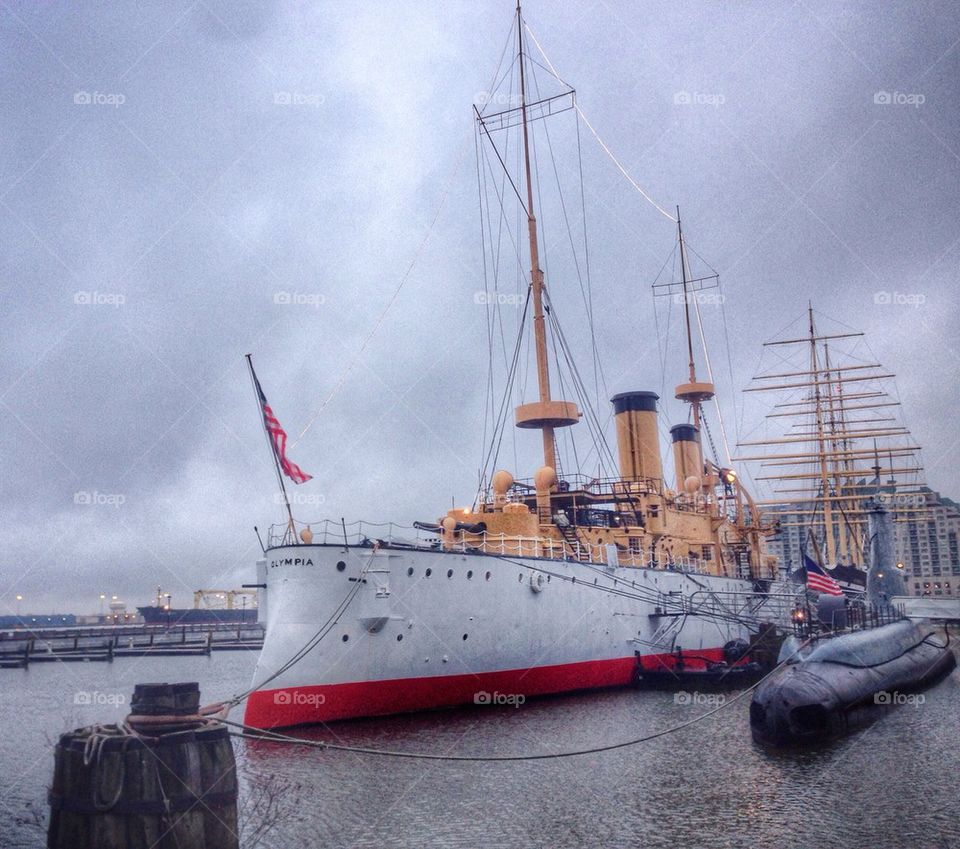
(637, 439)
(686, 454)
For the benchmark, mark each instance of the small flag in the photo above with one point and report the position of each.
(818, 580)
(278, 438)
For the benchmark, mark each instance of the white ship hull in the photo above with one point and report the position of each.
(430, 628)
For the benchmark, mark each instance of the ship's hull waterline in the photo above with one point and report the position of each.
(430, 628)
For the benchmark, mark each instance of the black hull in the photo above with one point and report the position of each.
(196, 616)
(847, 683)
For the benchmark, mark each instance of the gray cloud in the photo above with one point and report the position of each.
(183, 210)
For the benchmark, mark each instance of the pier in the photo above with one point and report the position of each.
(20, 647)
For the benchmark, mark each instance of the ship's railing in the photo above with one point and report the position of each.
(622, 489)
(731, 604)
(507, 545)
(329, 532)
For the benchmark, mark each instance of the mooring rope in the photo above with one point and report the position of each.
(276, 737)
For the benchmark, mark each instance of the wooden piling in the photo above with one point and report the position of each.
(165, 778)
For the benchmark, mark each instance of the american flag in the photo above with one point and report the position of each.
(818, 580)
(278, 438)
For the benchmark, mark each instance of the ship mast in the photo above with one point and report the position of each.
(821, 441)
(821, 461)
(545, 414)
(693, 392)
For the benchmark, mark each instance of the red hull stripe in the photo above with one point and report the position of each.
(305, 705)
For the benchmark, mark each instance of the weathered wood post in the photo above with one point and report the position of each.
(164, 778)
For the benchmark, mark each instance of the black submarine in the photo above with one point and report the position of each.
(836, 682)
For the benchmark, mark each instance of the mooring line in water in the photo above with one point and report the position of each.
(304, 650)
(276, 737)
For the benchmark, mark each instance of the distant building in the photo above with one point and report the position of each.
(926, 543)
(927, 546)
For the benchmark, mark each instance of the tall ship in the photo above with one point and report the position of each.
(833, 441)
(578, 576)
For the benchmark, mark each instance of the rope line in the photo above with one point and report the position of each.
(276, 737)
(606, 149)
(380, 319)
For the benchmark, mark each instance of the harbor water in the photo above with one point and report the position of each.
(892, 784)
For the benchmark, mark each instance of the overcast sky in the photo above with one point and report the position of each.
(169, 173)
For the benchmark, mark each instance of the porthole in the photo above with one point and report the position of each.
(469, 574)
(487, 578)
(465, 636)
(399, 638)
(449, 573)
(409, 571)
(345, 637)
(428, 573)
(341, 565)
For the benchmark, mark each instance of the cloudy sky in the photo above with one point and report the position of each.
(185, 183)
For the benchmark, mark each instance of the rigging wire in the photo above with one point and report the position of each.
(606, 149)
(276, 737)
(393, 298)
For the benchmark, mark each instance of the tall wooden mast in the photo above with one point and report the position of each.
(545, 414)
(693, 392)
(821, 442)
(821, 461)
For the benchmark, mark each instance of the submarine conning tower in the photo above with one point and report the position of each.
(686, 456)
(638, 441)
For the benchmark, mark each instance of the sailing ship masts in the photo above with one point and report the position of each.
(858, 395)
(536, 275)
(691, 363)
(812, 494)
(806, 339)
(685, 276)
(815, 456)
(848, 422)
(818, 383)
(848, 407)
(806, 373)
(853, 473)
(815, 499)
(818, 413)
(870, 433)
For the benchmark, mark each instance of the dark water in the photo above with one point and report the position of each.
(894, 784)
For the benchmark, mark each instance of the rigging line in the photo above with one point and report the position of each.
(581, 389)
(597, 364)
(496, 257)
(276, 737)
(726, 338)
(488, 409)
(499, 427)
(503, 165)
(716, 402)
(311, 643)
(609, 152)
(380, 319)
(588, 302)
(563, 205)
(506, 44)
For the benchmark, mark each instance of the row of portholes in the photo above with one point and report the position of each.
(346, 637)
(428, 572)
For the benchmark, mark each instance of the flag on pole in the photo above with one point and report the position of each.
(818, 580)
(278, 437)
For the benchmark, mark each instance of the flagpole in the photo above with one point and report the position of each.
(291, 528)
